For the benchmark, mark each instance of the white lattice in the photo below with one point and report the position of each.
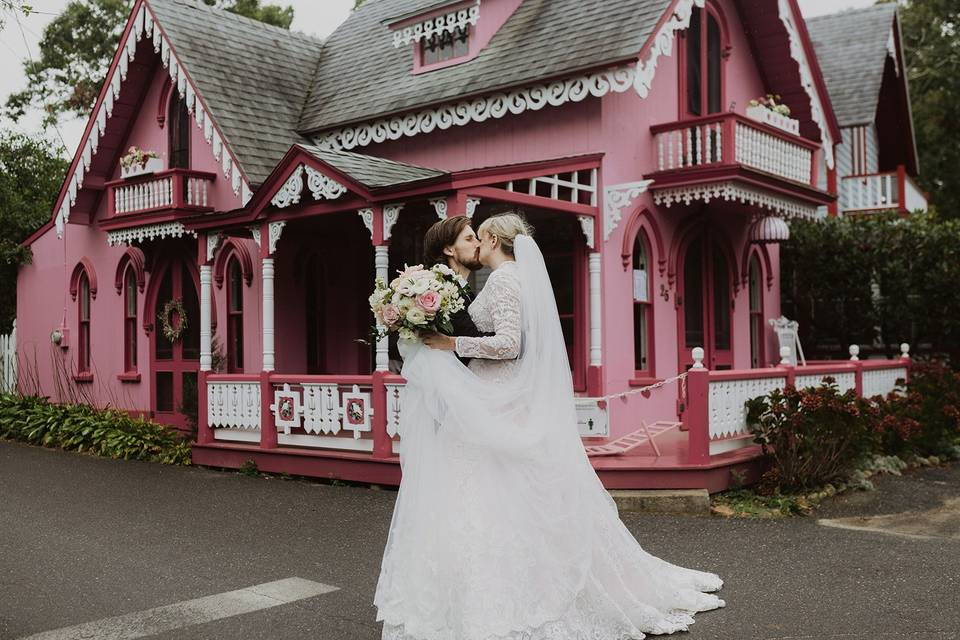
(728, 414)
(234, 405)
(845, 381)
(147, 232)
(733, 192)
(394, 406)
(439, 25)
(145, 23)
(615, 198)
(880, 382)
(321, 409)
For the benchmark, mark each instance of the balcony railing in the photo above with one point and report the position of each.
(731, 139)
(176, 189)
(880, 191)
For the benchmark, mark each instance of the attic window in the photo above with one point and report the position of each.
(445, 45)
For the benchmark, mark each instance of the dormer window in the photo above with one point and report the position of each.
(446, 45)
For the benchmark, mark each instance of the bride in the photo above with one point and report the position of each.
(502, 529)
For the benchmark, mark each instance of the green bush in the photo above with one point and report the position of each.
(814, 435)
(78, 427)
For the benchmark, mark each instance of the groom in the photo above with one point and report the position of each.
(453, 242)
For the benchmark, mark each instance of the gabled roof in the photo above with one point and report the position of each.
(370, 171)
(542, 39)
(852, 48)
(253, 76)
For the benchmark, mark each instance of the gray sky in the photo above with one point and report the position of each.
(316, 17)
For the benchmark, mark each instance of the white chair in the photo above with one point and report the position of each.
(787, 335)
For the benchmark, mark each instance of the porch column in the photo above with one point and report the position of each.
(206, 347)
(595, 328)
(381, 265)
(268, 350)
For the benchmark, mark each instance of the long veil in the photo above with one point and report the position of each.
(501, 526)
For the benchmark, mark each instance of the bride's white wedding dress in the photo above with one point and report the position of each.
(502, 529)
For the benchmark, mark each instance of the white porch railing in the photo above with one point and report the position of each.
(716, 416)
(173, 189)
(728, 138)
(8, 361)
(879, 191)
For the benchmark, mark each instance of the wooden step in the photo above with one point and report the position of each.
(629, 442)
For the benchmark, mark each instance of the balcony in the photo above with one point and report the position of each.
(735, 158)
(171, 190)
(880, 192)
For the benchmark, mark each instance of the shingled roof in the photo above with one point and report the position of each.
(542, 39)
(852, 49)
(253, 77)
(371, 171)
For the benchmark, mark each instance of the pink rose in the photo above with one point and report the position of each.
(429, 301)
(390, 314)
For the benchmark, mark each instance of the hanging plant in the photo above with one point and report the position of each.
(171, 333)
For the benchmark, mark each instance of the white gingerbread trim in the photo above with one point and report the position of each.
(289, 192)
(275, 228)
(367, 216)
(322, 187)
(817, 112)
(586, 224)
(391, 213)
(255, 233)
(440, 206)
(620, 79)
(441, 24)
(147, 232)
(615, 198)
(146, 24)
(213, 241)
(734, 192)
(472, 204)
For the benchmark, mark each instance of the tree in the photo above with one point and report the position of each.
(14, 7)
(931, 33)
(31, 172)
(78, 45)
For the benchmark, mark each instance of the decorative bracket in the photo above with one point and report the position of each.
(322, 187)
(391, 212)
(367, 216)
(616, 197)
(440, 206)
(472, 204)
(276, 228)
(289, 193)
(213, 241)
(255, 234)
(586, 223)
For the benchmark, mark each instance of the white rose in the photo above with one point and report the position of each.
(421, 286)
(416, 316)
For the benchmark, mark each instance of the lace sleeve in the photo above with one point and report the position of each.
(504, 344)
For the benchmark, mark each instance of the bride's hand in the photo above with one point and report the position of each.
(439, 341)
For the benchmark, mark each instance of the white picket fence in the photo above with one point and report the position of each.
(8, 361)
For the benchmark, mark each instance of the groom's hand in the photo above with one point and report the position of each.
(440, 341)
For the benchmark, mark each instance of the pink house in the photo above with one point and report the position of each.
(292, 172)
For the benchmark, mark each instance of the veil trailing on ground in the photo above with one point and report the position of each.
(501, 524)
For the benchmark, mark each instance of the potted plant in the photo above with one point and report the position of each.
(137, 162)
(770, 110)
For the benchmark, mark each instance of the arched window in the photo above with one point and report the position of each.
(234, 316)
(642, 305)
(83, 329)
(179, 132)
(703, 76)
(130, 320)
(756, 313)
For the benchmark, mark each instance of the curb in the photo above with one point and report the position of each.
(694, 502)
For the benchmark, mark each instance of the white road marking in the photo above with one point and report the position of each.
(191, 612)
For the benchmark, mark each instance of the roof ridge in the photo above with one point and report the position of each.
(252, 22)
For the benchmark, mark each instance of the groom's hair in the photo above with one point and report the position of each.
(440, 236)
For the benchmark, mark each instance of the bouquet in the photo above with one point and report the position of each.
(418, 299)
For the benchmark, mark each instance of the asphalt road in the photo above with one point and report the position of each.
(84, 539)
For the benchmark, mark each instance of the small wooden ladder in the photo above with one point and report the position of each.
(629, 442)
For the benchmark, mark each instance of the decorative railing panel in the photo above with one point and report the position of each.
(728, 415)
(178, 189)
(880, 382)
(233, 404)
(728, 139)
(845, 381)
(881, 191)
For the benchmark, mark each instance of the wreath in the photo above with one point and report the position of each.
(170, 332)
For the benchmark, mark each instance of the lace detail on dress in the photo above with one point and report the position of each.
(496, 310)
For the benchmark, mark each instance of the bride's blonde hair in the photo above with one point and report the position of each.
(506, 226)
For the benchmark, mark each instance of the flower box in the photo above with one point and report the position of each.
(761, 113)
(152, 165)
